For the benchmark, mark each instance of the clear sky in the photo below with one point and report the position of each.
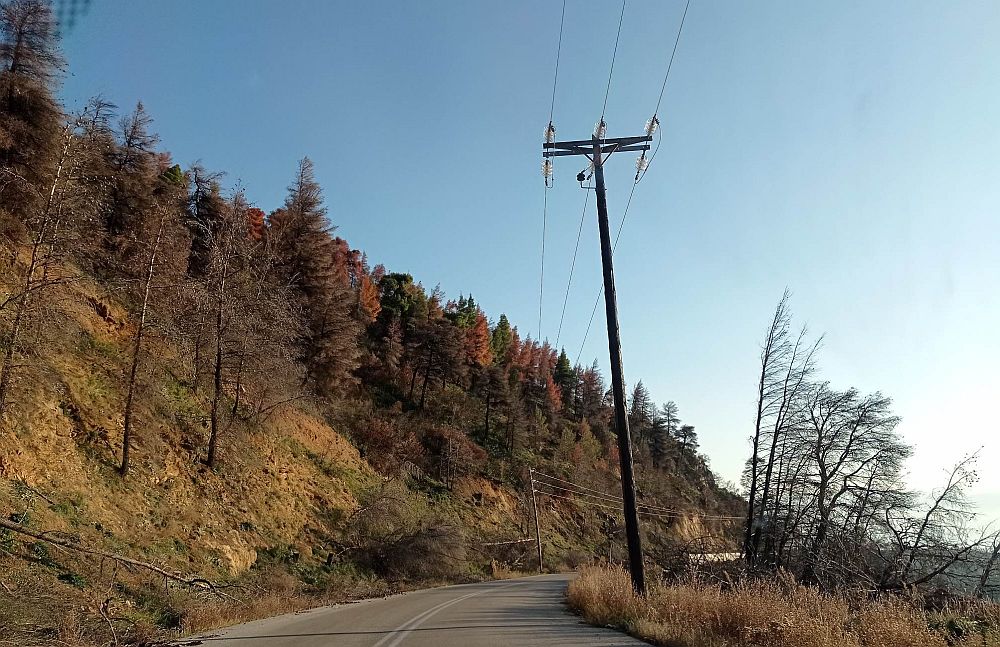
(849, 151)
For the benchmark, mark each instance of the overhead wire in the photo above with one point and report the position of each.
(573, 490)
(673, 53)
(600, 292)
(584, 491)
(614, 499)
(661, 515)
(614, 55)
(555, 77)
(582, 487)
(641, 169)
(642, 172)
(599, 132)
(572, 266)
(599, 493)
(547, 168)
(541, 273)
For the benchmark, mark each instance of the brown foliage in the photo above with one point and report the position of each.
(388, 446)
(452, 453)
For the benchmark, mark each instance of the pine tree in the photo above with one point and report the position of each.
(463, 312)
(500, 340)
(477, 342)
(204, 216)
(592, 389)
(306, 261)
(369, 298)
(664, 433)
(565, 379)
(133, 170)
(256, 220)
(30, 118)
(493, 390)
(640, 415)
(687, 438)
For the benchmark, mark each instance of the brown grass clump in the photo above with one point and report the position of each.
(503, 571)
(775, 613)
(198, 618)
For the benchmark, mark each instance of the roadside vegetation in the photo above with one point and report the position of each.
(775, 612)
(835, 549)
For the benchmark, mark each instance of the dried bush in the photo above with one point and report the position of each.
(773, 613)
(451, 453)
(386, 445)
(395, 534)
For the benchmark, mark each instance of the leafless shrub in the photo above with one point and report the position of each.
(395, 534)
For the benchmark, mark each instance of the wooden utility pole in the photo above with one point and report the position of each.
(598, 150)
(534, 513)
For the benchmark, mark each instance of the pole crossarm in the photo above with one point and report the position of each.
(587, 146)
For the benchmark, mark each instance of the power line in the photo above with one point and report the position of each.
(599, 133)
(541, 273)
(582, 487)
(555, 77)
(642, 512)
(590, 492)
(680, 29)
(547, 169)
(572, 266)
(614, 55)
(600, 292)
(643, 167)
(563, 488)
(673, 53)
(616, 508)
(613, 499)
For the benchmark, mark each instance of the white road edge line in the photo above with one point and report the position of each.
(397, 635)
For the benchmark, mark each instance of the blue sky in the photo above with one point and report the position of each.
(849, 151)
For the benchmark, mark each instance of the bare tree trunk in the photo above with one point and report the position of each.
(984, 578)
(239, 377)
(137, 346)
(427, 376)
(413, 382)
(752, 495)
(489, 398)
(29, 280)
(213, 436)
(797, 371)
(774, 351)
(199, 328)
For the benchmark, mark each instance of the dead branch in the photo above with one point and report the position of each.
(192, 582)
(508, 543)
(103, 607)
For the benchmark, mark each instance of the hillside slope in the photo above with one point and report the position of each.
(291, 509)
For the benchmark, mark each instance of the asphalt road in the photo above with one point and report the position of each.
(526, 612)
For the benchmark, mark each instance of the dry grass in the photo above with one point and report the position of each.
(199, 618)
(778, 613)
(503, 571)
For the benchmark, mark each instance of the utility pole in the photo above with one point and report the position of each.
(534, 513)
(598, 150)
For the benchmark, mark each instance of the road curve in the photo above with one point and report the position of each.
(525, 612)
